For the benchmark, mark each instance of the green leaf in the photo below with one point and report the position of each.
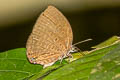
(81, 68)
(108, 42)
(15, 66)
(77, 56)
(48, 70)
(108, 68)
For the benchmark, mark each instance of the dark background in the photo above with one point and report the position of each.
(96, 20)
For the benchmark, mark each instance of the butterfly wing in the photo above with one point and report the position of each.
(51, 38)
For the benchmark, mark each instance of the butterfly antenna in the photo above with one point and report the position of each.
(82, 42)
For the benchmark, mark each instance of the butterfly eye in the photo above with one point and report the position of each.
(75, 48)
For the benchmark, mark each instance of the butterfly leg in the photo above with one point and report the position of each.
(79, 51)
(70, 57)
(61, 59)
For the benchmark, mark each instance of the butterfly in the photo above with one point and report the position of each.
(51, 38)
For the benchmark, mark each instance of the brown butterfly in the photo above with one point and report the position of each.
(51, 38)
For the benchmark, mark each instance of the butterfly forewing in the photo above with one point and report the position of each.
(51, 38)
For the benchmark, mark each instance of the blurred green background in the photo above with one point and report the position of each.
(96, 19)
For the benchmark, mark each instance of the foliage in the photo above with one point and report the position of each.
(101, 63)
